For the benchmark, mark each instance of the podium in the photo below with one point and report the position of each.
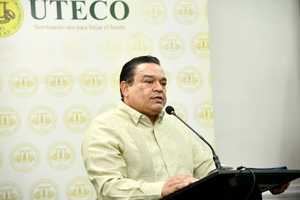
(243, 184)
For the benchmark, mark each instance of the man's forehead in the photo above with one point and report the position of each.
(149, 69)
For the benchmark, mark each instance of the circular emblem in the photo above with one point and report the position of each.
(59, 83)
(42, 120)
(200, 44)
(9, 121)
(23, 83)
(154, 12)
(186, 11)
(205, 114)
(93, 82)
(11, 17)
(24, 157)
(171, 45)
(44, 190)
(80, 188)
(189, 78)
(9, 191)
(77, 118)
(61, 155)
(139, 44)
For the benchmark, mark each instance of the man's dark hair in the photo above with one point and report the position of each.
(127, 73)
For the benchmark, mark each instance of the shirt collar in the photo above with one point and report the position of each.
(136, 116)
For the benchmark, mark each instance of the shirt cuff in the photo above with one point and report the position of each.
(154, 189)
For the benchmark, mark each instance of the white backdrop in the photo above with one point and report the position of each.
(59, 67)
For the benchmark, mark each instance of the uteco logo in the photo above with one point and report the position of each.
(79, 9)
(11, 17)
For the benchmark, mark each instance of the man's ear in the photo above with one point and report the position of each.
(124, 88)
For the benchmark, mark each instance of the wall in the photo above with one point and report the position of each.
(255, 62)
(59, 68)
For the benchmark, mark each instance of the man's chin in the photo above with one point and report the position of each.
(158, 107)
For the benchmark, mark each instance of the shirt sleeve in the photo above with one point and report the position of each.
(203, 159)
(107, 169)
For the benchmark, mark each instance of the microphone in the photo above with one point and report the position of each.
(170, 110)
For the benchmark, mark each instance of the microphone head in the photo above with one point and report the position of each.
(170, 110)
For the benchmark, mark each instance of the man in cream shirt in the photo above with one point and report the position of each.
(136, 151)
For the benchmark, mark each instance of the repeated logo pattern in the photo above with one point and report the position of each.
(61, 155)
(59, 83)
(23, 83)
(44, 189)
(24, 157)
(42, 119)
(9, 191)
(59, 74)
(9, 121)
(80, 188)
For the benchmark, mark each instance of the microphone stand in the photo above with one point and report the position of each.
(170, 110)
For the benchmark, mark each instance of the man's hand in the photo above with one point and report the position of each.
(175, 183)
(280, 189)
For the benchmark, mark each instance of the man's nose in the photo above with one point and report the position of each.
(158, 86)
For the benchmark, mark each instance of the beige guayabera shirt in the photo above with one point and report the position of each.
(127, 157)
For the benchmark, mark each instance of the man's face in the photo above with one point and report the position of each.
(147, 92)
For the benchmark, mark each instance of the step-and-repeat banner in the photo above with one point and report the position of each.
(59, 67)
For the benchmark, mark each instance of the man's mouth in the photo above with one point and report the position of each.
(157, 99)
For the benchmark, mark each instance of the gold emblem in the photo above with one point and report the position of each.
(205, 114)
(80, 188)
(139, 44)
(186, 11)
(77, 118)
(59, 83)
(171, 45)
(11, 17)
(93, 82)
(23, 83)
(9, 121)
(9, 191)
(44, 190)
(200, 44)
(61, 155)
(24, 157)
(42, 120)
(154, 12)
(189, 78)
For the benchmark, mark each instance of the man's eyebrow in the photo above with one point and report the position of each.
(151, 76)
(148, 76)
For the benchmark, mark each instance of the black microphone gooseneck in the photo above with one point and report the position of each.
(170, 110)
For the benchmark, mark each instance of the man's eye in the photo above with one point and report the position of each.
(163, 83)
(148, 81)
